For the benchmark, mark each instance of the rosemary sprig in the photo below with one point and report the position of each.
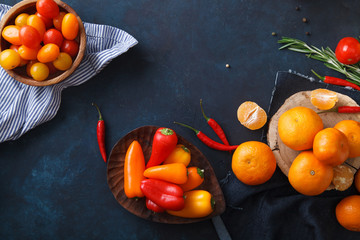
(326, 55)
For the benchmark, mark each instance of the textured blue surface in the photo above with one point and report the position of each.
(53, 180)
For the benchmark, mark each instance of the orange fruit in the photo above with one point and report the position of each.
(343, 177)
(251, 115)
(357, 180)
(331, 146)
(298, 126)
(323, 99)
(253, 163)
(308, 175)
(348, 213)
(351, 129)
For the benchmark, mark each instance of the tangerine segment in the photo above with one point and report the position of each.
(251, 115)
(308, 175)
(253, 163)
(351, 129)
(323, 99)
(331, 146)
(343, 177)
(298, 126)
(348, 213)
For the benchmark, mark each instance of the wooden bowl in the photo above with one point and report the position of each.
(115, 176)
(19, 73)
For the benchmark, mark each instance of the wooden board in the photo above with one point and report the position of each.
(285, 155)
(115, 176)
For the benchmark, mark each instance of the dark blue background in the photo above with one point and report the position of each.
(53, 180)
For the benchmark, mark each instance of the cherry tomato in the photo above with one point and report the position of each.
(28, 66)
(57, 21)
(70, 26)
(29, 36)
(63, 62)
(28, 53)
(48, 21)
(48, 53)
(348, 50)
(47, 8)
(70, 46)
(53, 36)
(52, 68)
(21, 19)
(39, 71)
(36, 23)
(23, 62)
(11, 33)
(9, 59)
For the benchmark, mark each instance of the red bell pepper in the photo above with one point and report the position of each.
(153, 206)
(164, 142)
(164, 194)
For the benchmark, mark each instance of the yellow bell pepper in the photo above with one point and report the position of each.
(180, 154)
(198, 203)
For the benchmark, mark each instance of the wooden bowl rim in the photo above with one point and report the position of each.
(82, 44)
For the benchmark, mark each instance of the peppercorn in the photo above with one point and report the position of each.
(304, 20)
(308, 33)
(227, 65)
(273, 33)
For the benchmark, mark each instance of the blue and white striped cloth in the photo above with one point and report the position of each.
(24, 107)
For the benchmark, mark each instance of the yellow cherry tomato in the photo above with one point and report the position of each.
(11, 33)
(48, 53)
(37, 23)
(198, 203)
(180, 154)
(39, 71)
(9, 59)
(70, 26)
(28, 53)
(21, 19)
(63, 62)
(23, 62)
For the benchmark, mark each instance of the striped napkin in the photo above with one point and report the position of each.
(24, 107)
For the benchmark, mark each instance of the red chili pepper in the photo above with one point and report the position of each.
(208, 141)
(215, 126)
(344, 109)
(153, 206)
(164, 142)
(337, 81)
(100, 132)
(164, 194)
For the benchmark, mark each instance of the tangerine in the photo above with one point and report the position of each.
(331, 146)
(308, 175)
(351, 129)
(323, 99)
(348, 213)
(253, 163)
(343, 177)
(357, 180)
(251, 115)
(298, 126)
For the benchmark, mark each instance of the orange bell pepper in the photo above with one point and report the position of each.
(198, 203)
(173, 172)
(180, 154)
(195, 178)
(134, 168)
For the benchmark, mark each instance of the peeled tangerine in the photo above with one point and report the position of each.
(251, 115)
(323, 99)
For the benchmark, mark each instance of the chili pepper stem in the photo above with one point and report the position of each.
(187, 126)
(100, 116)
(330, 110)
(202, 110)
(322, 78)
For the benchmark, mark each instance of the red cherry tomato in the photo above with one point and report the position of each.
(47, 8)
(70, 46)
(48, 21)
(53, 36)
(29, 36)
(51, 67)
(57, 21)
(348, 50)
(70, 26)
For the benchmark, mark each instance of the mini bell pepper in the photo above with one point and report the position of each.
(134, 167)
(195, 178)
(153, 206)
(173, 172)
(163, 144)
(164, 194)
(198, 203)
(180, 154)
